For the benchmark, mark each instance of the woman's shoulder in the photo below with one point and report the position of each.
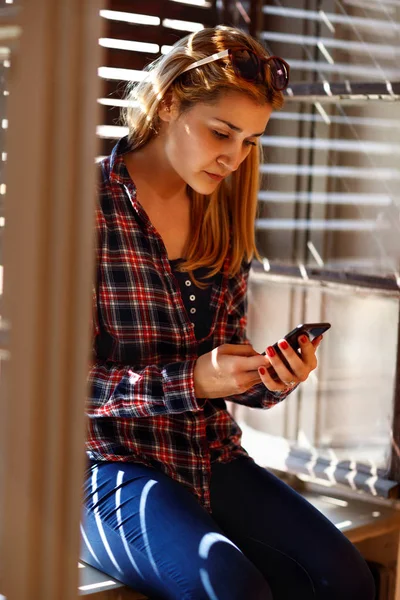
(111, 168)
(112, 179)
(103, 172)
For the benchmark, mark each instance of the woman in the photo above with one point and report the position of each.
(174, 507)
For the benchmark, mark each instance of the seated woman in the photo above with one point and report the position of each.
(174, 506)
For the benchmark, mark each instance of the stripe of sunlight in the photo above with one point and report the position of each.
(340, 145)
(202, 3)
(142, 510)
(205, 580)
(111, 131)
(128, 45)
(122, 74)
(364, 121)
(311, 40)
(89, 546)
(182, 25)
(115, 102)
(115, 15)
(207, 541)
(95, 586)
(99, 524)
(325, 52)
(312, 15)
(166, 49)
(120, 477)
(211, 538)
(323, 112)
(327, 21)
(343, 524)
(325, 198)
(321, 224)
(382, 174)
(315, 253)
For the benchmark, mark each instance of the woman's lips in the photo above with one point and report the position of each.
(215, 177)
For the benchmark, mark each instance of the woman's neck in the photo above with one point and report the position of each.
(150, 168)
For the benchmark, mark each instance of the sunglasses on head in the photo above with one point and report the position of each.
(248, 65)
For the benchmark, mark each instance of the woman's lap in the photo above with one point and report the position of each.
(146, 530)
(150, 532)
(300, 552)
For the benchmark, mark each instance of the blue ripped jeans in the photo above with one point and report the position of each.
(262, 542)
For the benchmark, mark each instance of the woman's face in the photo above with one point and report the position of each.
(212, 139)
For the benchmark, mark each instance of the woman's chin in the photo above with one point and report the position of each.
(203, 187)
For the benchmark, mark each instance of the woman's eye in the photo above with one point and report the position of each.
(220, 135)
(224, 136)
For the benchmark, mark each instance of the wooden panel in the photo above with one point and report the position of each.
(167, 10)
(142, 33)
(48, 257)
(106, 145)
(394, 472)
(110, 115)
(96, 585)
(127, 59)
(113, 88)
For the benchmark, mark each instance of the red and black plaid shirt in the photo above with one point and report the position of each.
(141, 404)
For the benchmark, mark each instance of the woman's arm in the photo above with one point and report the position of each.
(124, 391)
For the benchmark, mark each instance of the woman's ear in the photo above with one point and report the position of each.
(168, 109)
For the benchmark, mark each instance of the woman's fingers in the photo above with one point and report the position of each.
(270, 383)
(300, 364)
(296, 364)
(316, 341)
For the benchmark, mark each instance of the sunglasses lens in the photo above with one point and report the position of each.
(279, 74)
(246, 64)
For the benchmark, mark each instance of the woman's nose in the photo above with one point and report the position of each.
(232, 161)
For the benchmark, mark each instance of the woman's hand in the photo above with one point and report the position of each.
(227, 370)
(301, 364)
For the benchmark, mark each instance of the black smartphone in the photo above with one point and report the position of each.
(312, 330)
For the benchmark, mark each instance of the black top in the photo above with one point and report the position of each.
(197, 301)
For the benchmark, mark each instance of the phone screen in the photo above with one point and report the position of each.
(313, 330)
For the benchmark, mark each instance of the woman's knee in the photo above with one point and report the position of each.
(226, 574)
(352, 580)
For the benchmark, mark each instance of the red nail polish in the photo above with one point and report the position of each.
(270, 351)
(284, 345)
(303, 339)
(262, 370)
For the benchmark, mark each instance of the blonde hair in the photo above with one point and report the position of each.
(222, 223)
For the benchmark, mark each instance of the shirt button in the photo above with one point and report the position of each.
(192, 297)
(192, 310)
(188, 282)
